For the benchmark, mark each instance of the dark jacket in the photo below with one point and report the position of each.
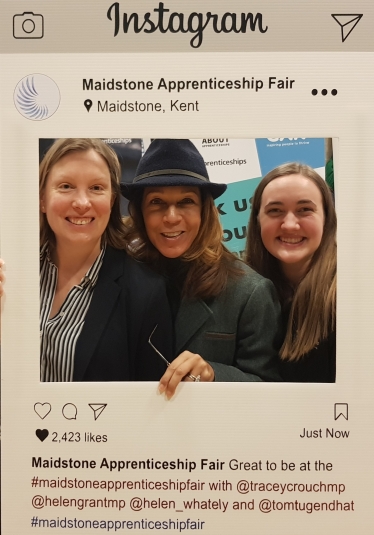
(238, 332)
(317, 366)
(128, 301)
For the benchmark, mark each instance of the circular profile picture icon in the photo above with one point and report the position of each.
(37, 97)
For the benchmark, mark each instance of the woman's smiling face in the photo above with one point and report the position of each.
(77, 198)
(291, 218)
(172, 218)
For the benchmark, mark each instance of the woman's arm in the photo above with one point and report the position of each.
(239, 339)
(186, 367)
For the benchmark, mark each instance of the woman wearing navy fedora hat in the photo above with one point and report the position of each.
(226, 316)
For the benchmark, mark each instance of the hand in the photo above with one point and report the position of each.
(185, 364)
(2, 278)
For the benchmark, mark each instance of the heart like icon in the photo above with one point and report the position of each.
(42, 409)
(42, 434)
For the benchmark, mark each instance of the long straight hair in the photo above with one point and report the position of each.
(313, 309)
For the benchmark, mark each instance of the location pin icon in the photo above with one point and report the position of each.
(88, 103)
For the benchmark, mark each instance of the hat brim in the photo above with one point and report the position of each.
(129, 190)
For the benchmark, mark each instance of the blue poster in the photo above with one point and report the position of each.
(234, 209)
(275, 151)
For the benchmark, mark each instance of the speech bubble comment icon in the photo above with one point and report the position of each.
(42, 409)
(69, 411)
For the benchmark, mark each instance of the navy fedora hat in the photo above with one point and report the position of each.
(172, 162)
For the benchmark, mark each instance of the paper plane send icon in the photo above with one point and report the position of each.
(347, 23)
(97, 408)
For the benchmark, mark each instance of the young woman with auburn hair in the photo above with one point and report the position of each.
(292, 241)
(226, 315)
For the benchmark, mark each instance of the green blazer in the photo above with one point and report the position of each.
(237, 332)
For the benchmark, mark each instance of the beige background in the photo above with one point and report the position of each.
(72, 26)
(247, 422)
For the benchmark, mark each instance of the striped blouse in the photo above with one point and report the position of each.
(59, 335)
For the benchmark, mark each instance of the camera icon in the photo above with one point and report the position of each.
(28, 26)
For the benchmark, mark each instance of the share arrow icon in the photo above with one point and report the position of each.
(97, 408)
(347, 23)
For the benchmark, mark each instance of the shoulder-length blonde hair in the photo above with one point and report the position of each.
(209, 263)
(313, 309)
(115, 231)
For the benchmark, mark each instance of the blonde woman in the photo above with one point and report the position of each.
(97, 306)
